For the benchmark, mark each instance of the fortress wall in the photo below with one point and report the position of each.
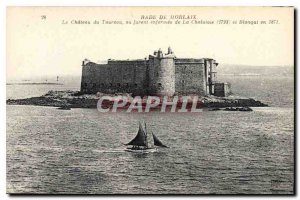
(129, 76)
(153, 74)
(89, 81)
(114, 77)
(156, 76)
(189, 77)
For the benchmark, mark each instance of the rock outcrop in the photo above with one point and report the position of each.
(73, 99)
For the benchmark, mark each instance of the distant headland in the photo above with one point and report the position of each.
(42, 83)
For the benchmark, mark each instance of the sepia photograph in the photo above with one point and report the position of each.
(150, 100)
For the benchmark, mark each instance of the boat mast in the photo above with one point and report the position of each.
(146, 135)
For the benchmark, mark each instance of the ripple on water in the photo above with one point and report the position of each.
(207, 154)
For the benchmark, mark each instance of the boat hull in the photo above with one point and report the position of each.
(141, 150)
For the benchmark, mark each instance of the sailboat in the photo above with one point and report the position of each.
(142, 142)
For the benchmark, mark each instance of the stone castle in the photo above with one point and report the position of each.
(160, 74)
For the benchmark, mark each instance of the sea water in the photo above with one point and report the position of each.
(81, 151)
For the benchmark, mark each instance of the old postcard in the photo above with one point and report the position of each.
(150, 100)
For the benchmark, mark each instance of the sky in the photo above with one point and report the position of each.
(39, 44)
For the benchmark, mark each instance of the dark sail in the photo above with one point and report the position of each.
(157, 142)
(140, 139)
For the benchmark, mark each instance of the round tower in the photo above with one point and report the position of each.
(162, 74)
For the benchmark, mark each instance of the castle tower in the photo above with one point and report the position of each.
(170, 50)
(161, 74)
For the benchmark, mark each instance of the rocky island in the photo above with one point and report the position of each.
(162, 76)
(75, 99)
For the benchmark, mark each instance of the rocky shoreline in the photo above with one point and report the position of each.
(73, 99)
